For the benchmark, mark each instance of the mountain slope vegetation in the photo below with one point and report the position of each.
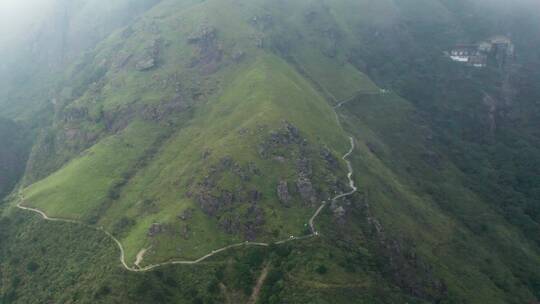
(181, 127)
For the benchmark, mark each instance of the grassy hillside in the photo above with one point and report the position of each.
(209, 153)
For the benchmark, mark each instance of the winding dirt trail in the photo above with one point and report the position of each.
(260, 282)
(140, 256)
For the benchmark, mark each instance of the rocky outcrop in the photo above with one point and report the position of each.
(158, 112)
(186, 215)
(329, 158)
(305, 188)
(211, 204)
(150, 57)
(213, 199)
(73, 114)
(283, 192)
(287, 135)
(155, 229)
(248, 224)
(255, 220)
(205, 34)
(303, 167)
(185, 232)
(209, 52)
(230, 225)
(121, 60)
(145, 64)
(403, 266)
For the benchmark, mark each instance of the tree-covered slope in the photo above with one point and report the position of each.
(13, 154)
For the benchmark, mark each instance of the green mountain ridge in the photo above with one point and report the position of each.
(202, 124)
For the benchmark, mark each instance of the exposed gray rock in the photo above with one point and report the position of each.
(208, 203)
(238, 56)
(145, 64)
(329, 158)
(252, 168)
(230, 225)
(186, 215)
(75, 114)
(305, 188)
(205, 34)
(255, 196)
(155, 229)
(150, 58)
(287, 135)
(211, 204)
(283, 192)
(304, 167)
(185, 232)
(121, 60)
(208, 52)
(255, 216)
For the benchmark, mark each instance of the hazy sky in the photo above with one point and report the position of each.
(17, 15)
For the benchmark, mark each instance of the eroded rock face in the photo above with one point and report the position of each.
(209, 52)
(230, 225)
(211, 204)
(305, 188)
(155, 229)
(283, 192)
(248, 224)
(75, 114)
(304, 168)
(256, 220)
(329, 158)
(150, 58)
(285, 136)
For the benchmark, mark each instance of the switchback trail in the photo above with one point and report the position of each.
(137, 268)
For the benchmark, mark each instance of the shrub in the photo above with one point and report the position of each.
(321, 269)
(32, 266)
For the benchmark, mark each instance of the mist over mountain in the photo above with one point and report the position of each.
(269, 151)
